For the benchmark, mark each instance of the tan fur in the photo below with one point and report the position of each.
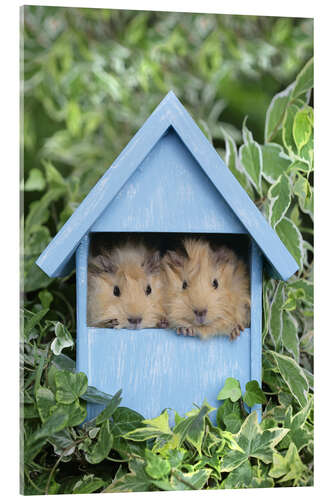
(227, 306)
(131, 267)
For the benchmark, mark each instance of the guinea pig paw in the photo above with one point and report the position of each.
(235, 332)
(185, 331)
(112, 323)
(181, 331)
(163, 323)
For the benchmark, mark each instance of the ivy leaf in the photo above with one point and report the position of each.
(279, 195)
(304, 80)
(289, 466)
(63, 362)
(293, 376)
(292, 238)
(275, 317)
(262, 482)
(274, 162)
(93, 395)
(156, 467)
(53, 176)
(231, 159)
(250, 155)
(229, 416)
(155, 427)
(275, 113)
(302, 127)
(287, 129)
(293, 297)
(38, 211)
(55, 423)
(46, 298)
(88, 484)
(298, 433)
(192, 428)
(70, 386)
(29, 324)
(231, 390)
(63, 443)
(100, 450)
(254, 442)
(35, 181)
(45, 402)
(136, 480)
(161, 423)
(290, 334)
(76, 412)
(190, 480)
(238, 478)
(253, 394)
(306, 287)
(125, 420)
(63, 339)
(109, 410)
(74, 118)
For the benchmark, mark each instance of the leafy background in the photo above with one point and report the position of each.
(90, 78)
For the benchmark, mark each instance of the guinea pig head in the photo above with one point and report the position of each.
(126, 288)
(199, 284)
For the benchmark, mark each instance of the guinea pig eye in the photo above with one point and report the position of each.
(116, 291)
(185, 285)
(148, 290)
(215, 284)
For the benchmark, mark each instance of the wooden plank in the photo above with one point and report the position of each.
(158, 369)
(256, 317)
(82, 345)
(168, 193)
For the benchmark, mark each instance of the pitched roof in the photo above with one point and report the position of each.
(57, 258)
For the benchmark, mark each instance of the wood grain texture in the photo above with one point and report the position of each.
(256, 317)
(169, 192)
(82, 347)
(158, 369)
(170, 113)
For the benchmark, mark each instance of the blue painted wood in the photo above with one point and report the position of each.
(159, 369)
(169, 192)
(170, 113)
(82, 346)
(256, 316)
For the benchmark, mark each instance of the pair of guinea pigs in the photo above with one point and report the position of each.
(194, 289)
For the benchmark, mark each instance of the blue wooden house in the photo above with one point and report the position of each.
(168, 179)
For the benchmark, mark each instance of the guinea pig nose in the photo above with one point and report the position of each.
(134, 320)
(200, 313)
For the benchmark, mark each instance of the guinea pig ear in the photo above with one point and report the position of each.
(153, 263)
(101, 264)
(174, 259)
(223, 255)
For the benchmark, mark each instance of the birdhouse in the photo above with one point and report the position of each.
(168, 180)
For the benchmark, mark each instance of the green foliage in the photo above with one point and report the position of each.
(85, 71)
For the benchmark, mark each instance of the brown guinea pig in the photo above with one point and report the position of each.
(207, 290)
(125, 287)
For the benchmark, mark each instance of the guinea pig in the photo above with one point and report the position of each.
(207, 290)
(125, 286)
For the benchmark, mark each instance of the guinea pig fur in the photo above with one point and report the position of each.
(207, 290)
(125, 286)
